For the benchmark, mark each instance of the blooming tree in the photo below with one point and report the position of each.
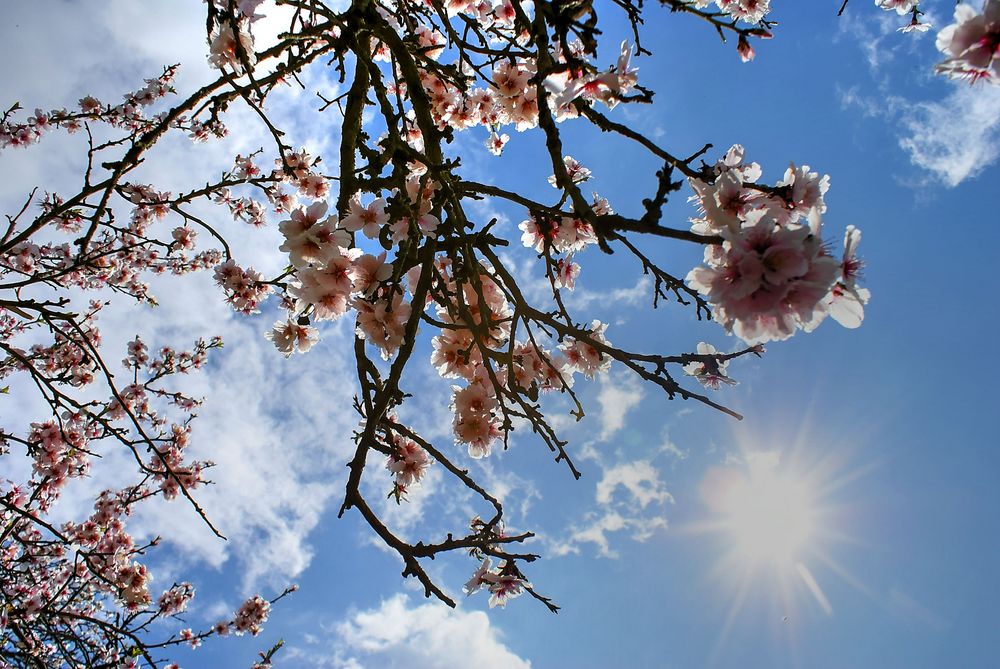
(392, 243)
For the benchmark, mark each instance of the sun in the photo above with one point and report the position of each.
(775, 515)
(770, 517)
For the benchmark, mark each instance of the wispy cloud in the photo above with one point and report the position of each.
(953, 138)
(640, 479)
(631, 296)
(618, 394)
(956, 138)
(596, 528)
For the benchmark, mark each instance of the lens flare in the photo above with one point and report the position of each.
(770, 517)
(770, 521)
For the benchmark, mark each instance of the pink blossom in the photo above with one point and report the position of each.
(496, 141)
(767, 279)
(565, 272)
(370, 271)
(313, 186)
(290, 337)
(972, 44)
(310, 240)
(576, 172)
(454, 354)
(805, 191)
(408, 462)
(584, 357)
(368, 219)
(901, 6)
(252, 615)
(176, 599)
(504, 586)
(479, 577)
(382, 322)
(224, 51)
(710, 373)
(190, 637)
(184, 237)
(846, 300)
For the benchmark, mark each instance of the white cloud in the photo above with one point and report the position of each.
(278, 429)
(429, 635)
(275, 428)
(639, 511)
(870, 33)
(596, 527)
(957, 138)
(640, 479)
(582, 298)
(670, 448)
(629, 496)
(954, 138)
(617, 396)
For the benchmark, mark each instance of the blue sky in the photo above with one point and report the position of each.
(892, 423)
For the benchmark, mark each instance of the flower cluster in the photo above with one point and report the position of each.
(567, 235)
(404, 248)
(504, 582)
(748, 11)
(55, 577)
(176, 599)
(407, 462)
(61, 448)
(245, 289)
(772, 273)
(511, 96)
(331, 277)
(252, 615)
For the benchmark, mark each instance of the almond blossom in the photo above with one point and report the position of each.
(290, 337)
(710, 373)
(436, 262)
(251, 615)
(767, 279)
(368, 219)
(846, 300)
(504, 584)
(227, 46)
(310, 240)
(383, 322)
(900, 6)
(408, 462)
(972, 44)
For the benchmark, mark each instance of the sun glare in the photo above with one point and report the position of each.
(769, 516)
(765, 513)
(772, 517)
